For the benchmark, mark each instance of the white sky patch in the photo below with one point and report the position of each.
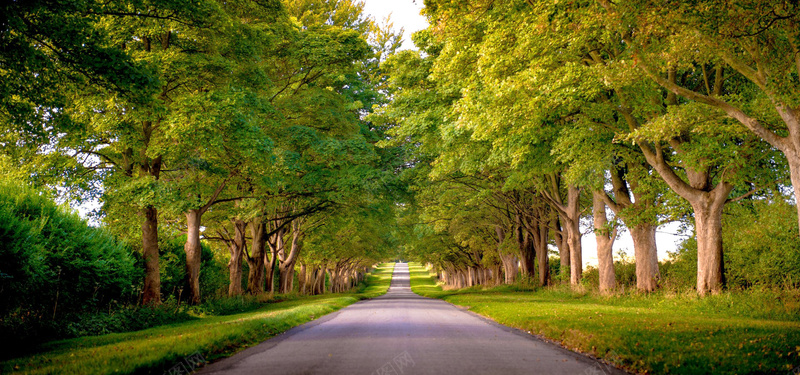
(404, 14)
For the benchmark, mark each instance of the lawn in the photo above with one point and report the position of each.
(734, 332)
(181, 346)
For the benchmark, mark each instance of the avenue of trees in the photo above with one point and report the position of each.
(284, 146)
(220, 137)
(524, 119)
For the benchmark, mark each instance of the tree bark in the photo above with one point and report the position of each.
(288, 261)
(646, 255)
(643, 233)
(255, 277)
(275, 243)
(526, 250)
(789, 144)
(605, 242)
(193, 254)
(542, 257)
(569, 213)
(236, 247)
(707, 203)
(708, 229)
(509, 261)
(151, 294)
(192, 247)
(319, 280)
(794, 173)
(563, 252)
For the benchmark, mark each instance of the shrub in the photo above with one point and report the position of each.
(760, 248)
(53, 264)
(213, 271)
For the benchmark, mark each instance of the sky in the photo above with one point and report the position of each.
(404, 14)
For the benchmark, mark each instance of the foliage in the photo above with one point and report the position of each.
(55, 265)
(213, 275)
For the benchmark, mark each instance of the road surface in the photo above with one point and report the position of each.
(403, 333)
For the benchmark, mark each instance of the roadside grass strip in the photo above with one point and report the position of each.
(181, 346)
(655, 333)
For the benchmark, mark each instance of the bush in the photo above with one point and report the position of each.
(54, 265)
(760, 248)
(124, 319)
(213, 271)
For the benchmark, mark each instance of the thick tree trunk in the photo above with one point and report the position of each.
(563, 252)
(510, 268)
(575, 256)
(193, 254)
(572, 220)
(255, 277)
(643, 233)
(708, 229)
(542, 259)
(526, 250)
(509, 261)
(271, 260)
(605, 242)
(288, 261)
(646, 254)
(707, 203)
(319, 281)
(151, 295)
(236, 247)
(286, 278)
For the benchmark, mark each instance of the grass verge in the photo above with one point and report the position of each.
(161, 348)
(734, 332)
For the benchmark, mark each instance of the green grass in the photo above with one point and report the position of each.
(157, 349)
(734, 332)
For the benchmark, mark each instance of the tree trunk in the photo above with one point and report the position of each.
(708, 229)
(286, 278)
(193, 254)
(643, 233)
(707, 203)
(572, 218)
(288, 261)
(255, 277)
(319, 281)
(646, 254)
(509, 260)
(510, 268)
(270, 262)
(236, 247)
(575, 256)
(563, 252)
(605, 242)
(151, 294)
(540, 236)
(794, 173)
(526, 250)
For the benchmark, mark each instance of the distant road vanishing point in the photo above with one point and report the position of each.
(404, 333)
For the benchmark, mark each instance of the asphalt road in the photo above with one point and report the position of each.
(403, 333)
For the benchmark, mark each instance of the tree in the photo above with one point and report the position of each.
(754, 42)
